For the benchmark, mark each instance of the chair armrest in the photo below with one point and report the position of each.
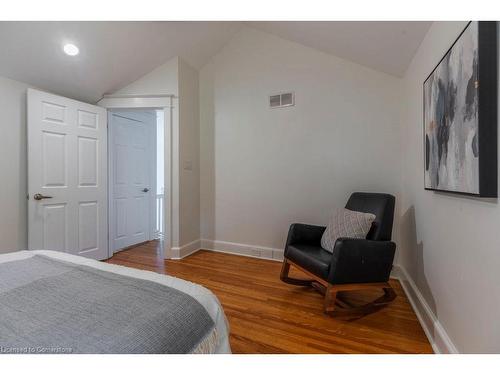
(361, 261)
(305, 234)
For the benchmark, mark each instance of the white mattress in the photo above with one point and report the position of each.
(205, 297)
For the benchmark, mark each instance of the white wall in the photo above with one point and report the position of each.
(189, 148)
(263, 169)
(161, 80)
(13, 167)
(450, 244)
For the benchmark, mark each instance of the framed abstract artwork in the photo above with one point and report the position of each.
(460, 115)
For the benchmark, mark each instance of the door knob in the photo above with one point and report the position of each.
(39, 197)
(145, 190)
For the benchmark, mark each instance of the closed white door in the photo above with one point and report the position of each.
(132, 166)
(67, 176)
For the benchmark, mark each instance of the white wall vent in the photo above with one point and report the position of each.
(282, 100)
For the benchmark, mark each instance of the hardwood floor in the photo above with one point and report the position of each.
(268, 316)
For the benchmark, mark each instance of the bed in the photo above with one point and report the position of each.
(52, 302)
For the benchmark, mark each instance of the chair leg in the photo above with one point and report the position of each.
(334, 304)
(388, 297)
(285, 269)
(330, 299)
(359, 311)
(319, 287)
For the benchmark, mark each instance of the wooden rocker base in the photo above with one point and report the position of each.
(334, 304)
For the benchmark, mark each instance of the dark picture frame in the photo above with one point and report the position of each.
(475, 133)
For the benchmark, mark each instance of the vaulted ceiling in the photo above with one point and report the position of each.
(113, 54)
(385, 46)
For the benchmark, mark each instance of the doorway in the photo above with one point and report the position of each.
(69, 178)
(136, 177)
(163, 104)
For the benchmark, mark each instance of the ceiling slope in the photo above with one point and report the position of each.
(385, 46)
(114, 54)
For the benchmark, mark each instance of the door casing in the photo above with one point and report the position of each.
(165, 103)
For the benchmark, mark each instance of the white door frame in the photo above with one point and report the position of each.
(149, 118)
(165, 103)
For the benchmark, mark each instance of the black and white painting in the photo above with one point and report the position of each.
(451, 98)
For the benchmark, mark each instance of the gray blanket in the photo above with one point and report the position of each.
(50, 306)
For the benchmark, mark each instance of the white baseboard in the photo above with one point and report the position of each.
(252, 251)
(243, 249)
(435, 332)
(184, 251)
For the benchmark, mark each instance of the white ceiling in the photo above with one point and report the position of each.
(114, 54)
(384, 46)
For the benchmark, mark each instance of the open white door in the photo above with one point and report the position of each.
(67, 176)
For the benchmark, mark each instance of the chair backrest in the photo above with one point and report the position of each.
(382, 206)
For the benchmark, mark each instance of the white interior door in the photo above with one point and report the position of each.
(67, 176)
(132, 172)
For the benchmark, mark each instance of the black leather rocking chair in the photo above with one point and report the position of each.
(355, 263)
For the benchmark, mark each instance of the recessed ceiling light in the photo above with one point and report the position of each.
(71, 49)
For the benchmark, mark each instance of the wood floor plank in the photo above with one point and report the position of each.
(268, 316)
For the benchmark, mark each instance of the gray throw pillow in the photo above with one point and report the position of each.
(346, 223)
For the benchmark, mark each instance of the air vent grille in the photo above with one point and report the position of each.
(282, 100)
